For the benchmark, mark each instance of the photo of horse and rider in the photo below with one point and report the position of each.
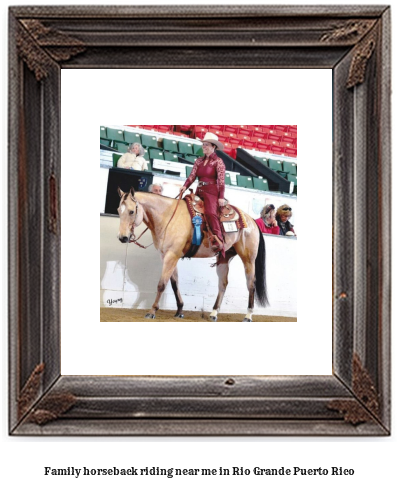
(174, 207)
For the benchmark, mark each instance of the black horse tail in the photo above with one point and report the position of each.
(260, 272)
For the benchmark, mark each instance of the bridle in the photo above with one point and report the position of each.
(133, 238)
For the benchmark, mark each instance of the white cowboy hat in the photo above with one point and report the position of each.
(213, 139)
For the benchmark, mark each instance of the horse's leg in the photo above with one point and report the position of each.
(249, 267)
(169, 264)
(247, 251)
(223, 272)
(174, 280)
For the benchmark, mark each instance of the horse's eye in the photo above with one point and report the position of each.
(131, 212)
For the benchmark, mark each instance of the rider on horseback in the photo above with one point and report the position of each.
(210, 171)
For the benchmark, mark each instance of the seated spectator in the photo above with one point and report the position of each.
(267, 221)
(284, 212)
(156, 188)
(133, 159)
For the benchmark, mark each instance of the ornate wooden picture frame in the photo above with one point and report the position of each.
(352, 41)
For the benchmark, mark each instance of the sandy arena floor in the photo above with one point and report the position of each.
(134, 315)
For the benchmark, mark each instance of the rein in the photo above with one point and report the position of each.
(135, 241)
(179, 196)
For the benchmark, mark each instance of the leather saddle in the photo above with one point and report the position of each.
(226, 214)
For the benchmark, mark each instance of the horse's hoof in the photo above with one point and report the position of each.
(213, 318)
(179, 315)
(247, 320)
(150, 316)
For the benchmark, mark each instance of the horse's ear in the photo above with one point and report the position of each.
(132, 191)
(120, 192)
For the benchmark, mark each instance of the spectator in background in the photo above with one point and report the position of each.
(133, 159)
(284, 212)
(156, 188)
(267, 221)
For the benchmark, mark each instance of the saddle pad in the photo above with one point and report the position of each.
(239, 218)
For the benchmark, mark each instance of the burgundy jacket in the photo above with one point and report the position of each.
(213, 171)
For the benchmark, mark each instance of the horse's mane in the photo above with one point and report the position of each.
(155, 195)
(127, 194)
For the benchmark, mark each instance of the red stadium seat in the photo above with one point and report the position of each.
(257, 139)
(266, 128)
(274, 137)
(231, 128)
(287, 139)
(276, 149)
(215, 128)
(259, 134)
(276, 133)
(263, 147)
(291, 152)
(244, 132)
(246, 140)
(271, 142)
(247, 144)
(199, 129)
(288, 145)
(228, 149)
(231, 152)
(281, 128)
(235, 142)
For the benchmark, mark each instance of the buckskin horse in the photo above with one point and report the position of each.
(172, 238)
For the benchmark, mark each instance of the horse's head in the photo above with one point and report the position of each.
(130, 214)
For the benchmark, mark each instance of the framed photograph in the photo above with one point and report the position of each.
(353, 43)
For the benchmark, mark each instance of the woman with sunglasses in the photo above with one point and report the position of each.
(284, 212)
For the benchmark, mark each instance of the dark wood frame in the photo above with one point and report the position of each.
(353, 41)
